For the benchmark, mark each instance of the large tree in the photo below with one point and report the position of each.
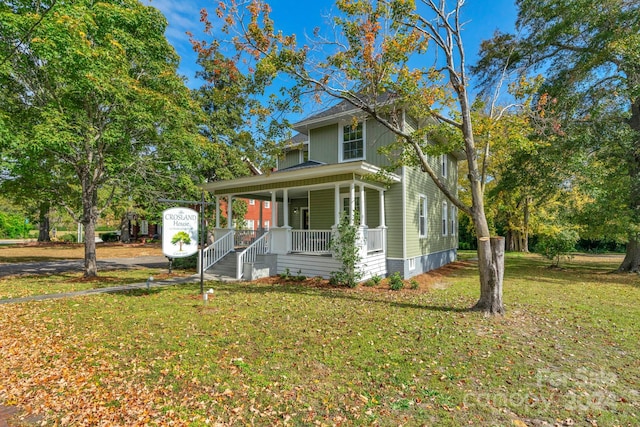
(589, 52)
(94, 87)
(369, 62)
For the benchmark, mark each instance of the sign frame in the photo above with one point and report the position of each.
(179, 232)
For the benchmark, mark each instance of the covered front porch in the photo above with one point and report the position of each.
(307, 204)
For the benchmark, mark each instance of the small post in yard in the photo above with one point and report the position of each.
(203, 234)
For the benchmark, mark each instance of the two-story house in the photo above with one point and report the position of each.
(333, 167)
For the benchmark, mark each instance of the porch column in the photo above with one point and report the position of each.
(352, 201)
(217, 211)
(260, 226)
(363, 218)
(382, 218)
(230, 212)
(285, 207)
(274, 215)
(336, 205)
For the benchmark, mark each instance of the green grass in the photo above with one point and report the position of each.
(567, 349)
(23, 286)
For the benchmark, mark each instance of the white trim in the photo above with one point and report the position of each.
(444, 165)
(341, 126)
(445, 219)
(356, 167)
(403, 173)
(453, 219)
(423, 202)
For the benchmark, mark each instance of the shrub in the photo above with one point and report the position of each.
(186, 263)
(109, 237)
(414, 284)
(13, 226)
(395, 281)
(344, 247)
(554, 246)
(286, 274)
(69, 238)
(374, 281)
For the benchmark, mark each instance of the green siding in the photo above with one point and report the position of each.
(419, 183)
(377, 136)
(323, 144)
(394, 220)
(291, 158)
(321, 209)
(372, 198)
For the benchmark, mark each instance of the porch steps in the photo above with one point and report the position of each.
(225, 267)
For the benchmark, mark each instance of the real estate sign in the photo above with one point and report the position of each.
(179, 232)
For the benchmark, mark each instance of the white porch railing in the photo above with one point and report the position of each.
(214, 253)
(311, 241)
(260, 246)
(375, 240)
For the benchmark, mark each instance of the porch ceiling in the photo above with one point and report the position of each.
(301, 179)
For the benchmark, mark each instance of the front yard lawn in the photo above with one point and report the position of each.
(566, 353)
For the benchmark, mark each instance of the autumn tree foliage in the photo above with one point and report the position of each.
(369, 62)
(588, 52)
(93, 89)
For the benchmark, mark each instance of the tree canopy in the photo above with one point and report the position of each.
(93, 89)
(589, 53)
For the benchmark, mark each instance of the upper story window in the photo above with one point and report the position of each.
(252, 202)
(352, 142)
(267, 204)
(444, 163)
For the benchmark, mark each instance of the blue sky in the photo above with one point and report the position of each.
(302, 16)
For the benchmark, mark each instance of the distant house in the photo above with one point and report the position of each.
(330, 168)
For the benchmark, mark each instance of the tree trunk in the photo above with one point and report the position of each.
(43, 223)
(525, 226)
(125, 227)
(89, 221)
(631, 260)
(491, 268)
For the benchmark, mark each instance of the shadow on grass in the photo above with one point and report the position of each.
(328, 292)
(138, 292)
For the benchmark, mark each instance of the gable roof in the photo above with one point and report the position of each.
(341, 109)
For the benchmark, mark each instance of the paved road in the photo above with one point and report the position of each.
(67, 265)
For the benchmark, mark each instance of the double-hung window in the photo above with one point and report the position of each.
(422, 216)
(352, 142)
(452, 220)
(444, 162)
(444, 218)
